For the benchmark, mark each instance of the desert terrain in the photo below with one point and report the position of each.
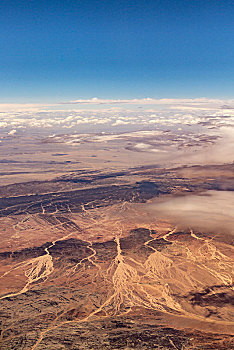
(111, 241)
(116, 175)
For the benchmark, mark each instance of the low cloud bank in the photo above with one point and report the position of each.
(211, 211)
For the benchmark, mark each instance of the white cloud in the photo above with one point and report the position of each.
(120, 122)
(12, 132)
(99, 113)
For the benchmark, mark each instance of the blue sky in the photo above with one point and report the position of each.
(64, 50)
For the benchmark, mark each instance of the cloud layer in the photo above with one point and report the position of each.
(209, 113)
